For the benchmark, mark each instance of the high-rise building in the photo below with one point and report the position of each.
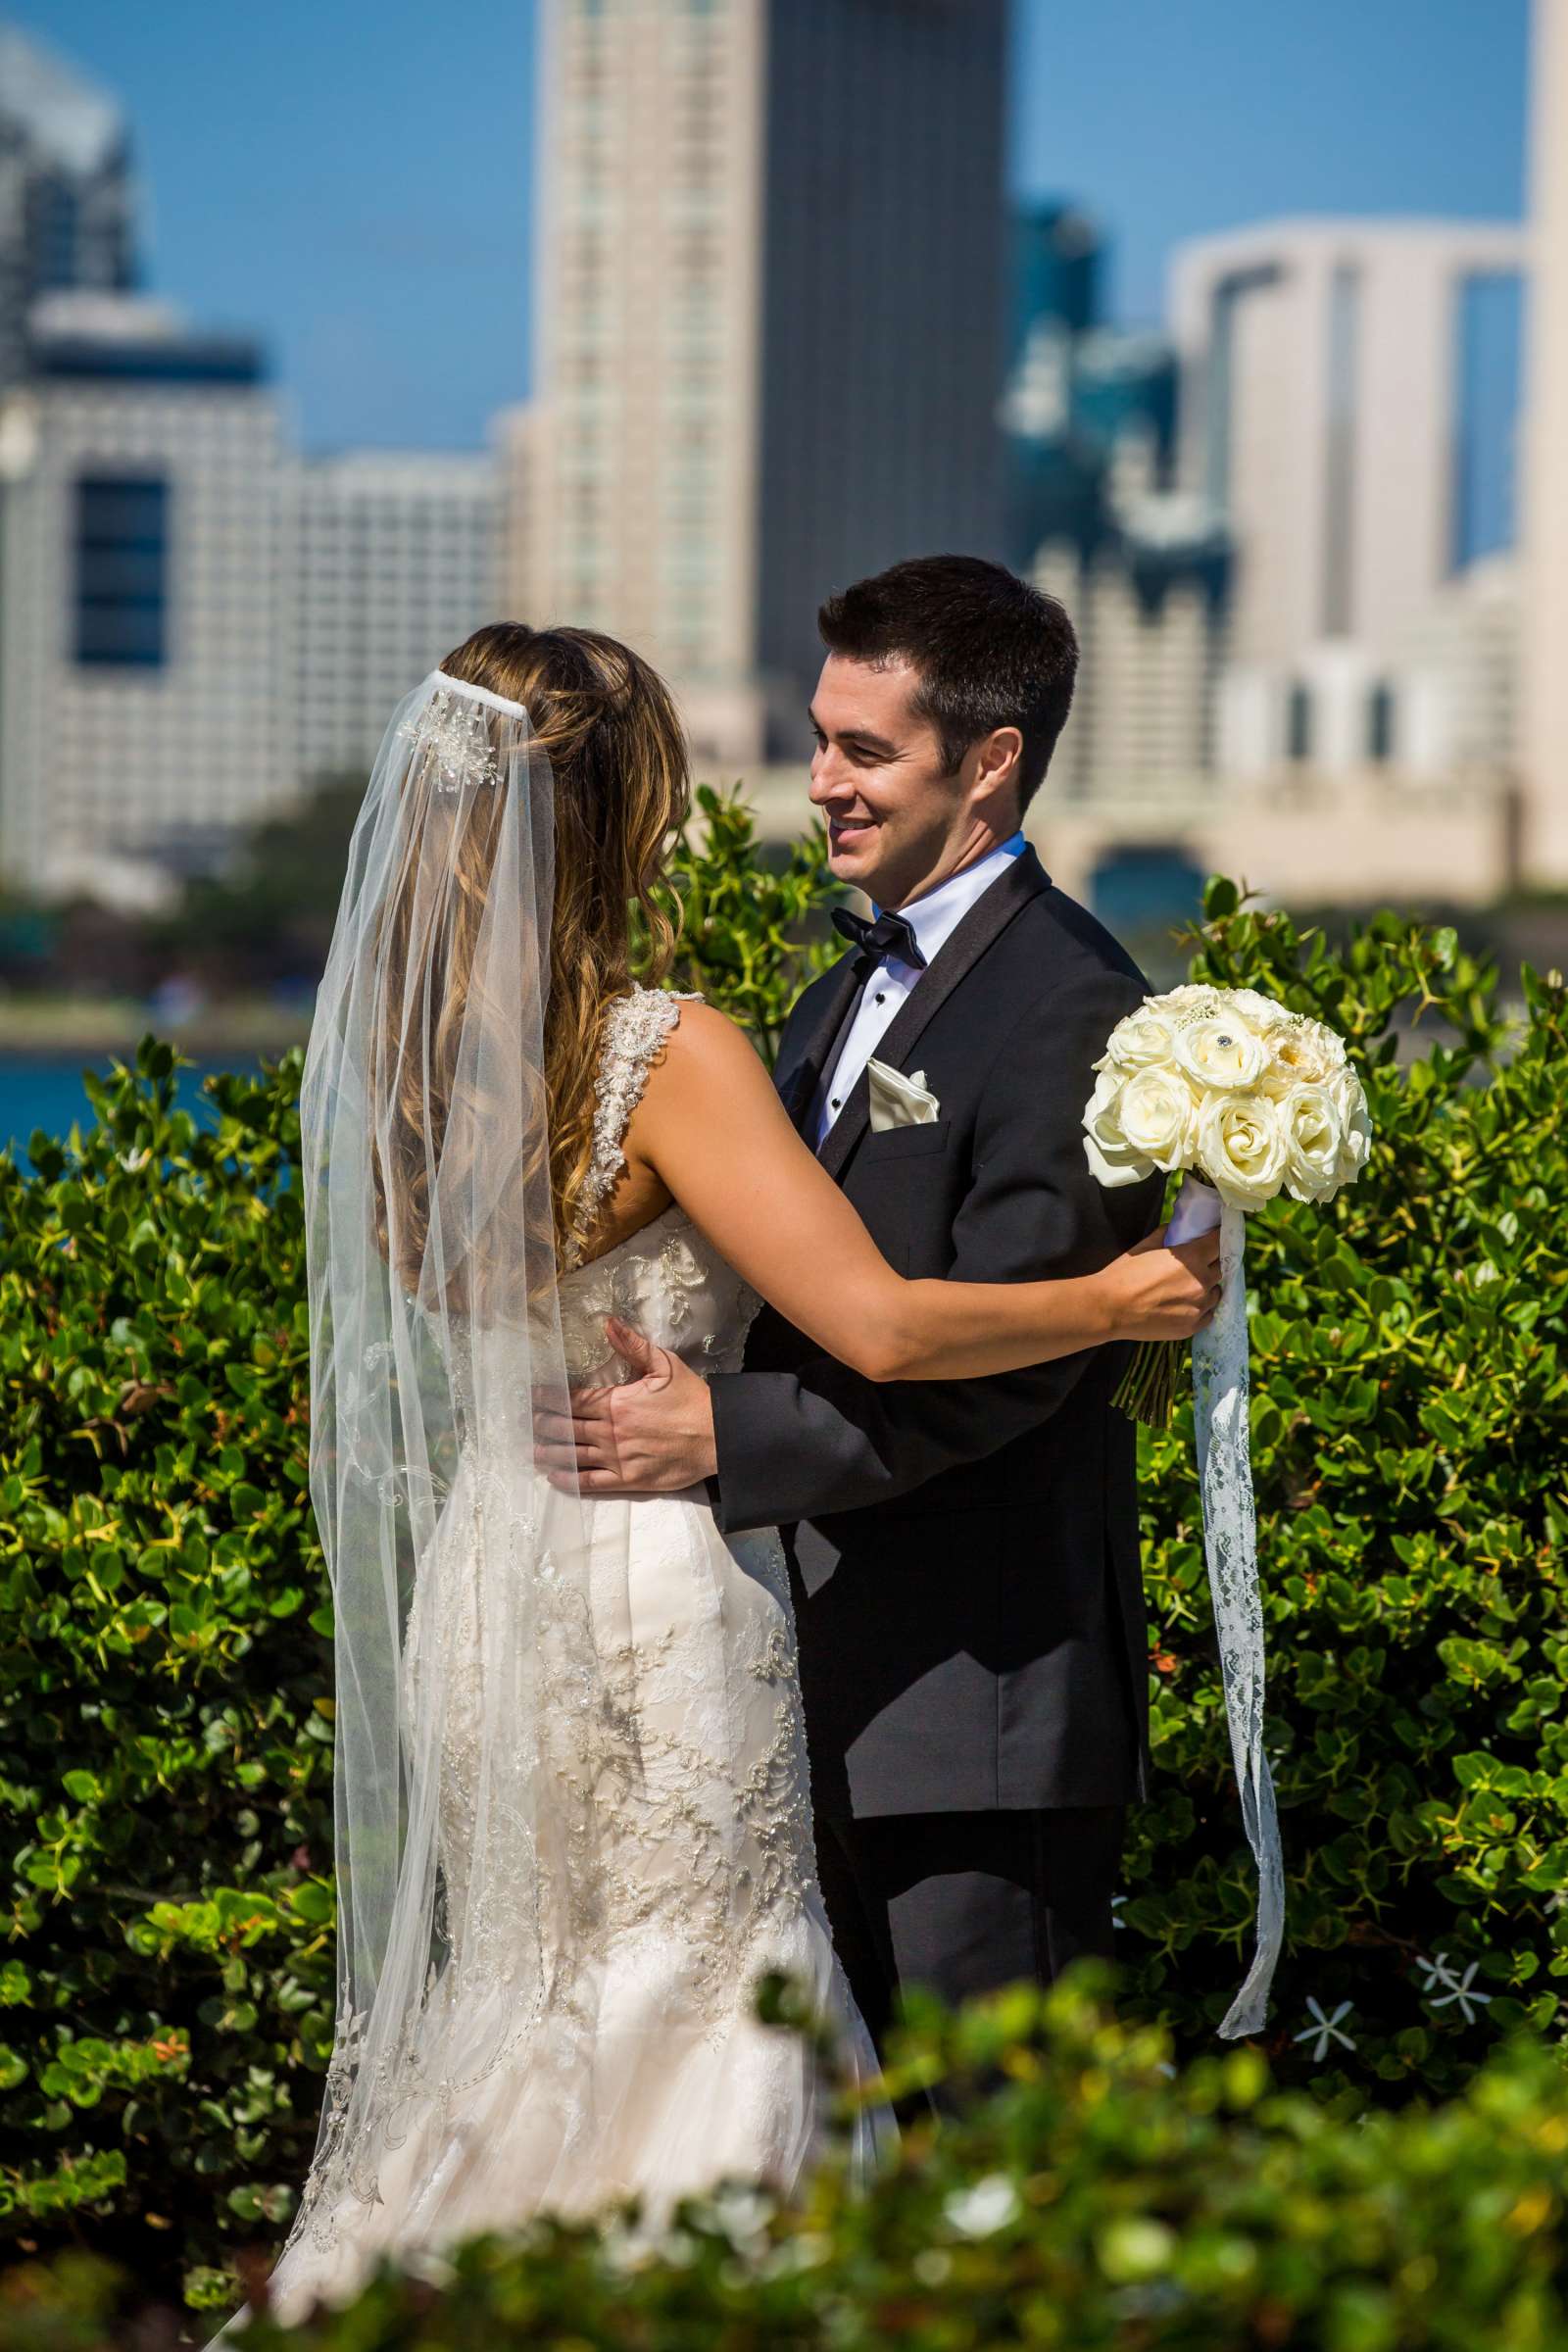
(387, 562)
(1088, 417)
(1457, 679)
(770, 325)
(1055, 255)
(1348, 395)
(138, 703)
(522, 447)
(1327, 375)
(1545, 500)
(1147, 598)
(68, 204)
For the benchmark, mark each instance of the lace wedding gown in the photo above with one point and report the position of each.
(655, 2080)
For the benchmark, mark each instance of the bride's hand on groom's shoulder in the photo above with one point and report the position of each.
(1160, 1292)
(651, 1435)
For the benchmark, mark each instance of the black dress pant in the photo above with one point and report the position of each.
(964, 1902)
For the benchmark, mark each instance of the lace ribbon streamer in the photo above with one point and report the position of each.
(1230, 1540)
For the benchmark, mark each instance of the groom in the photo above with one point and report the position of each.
(964, 1556)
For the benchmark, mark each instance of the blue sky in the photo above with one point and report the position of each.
(353, 179)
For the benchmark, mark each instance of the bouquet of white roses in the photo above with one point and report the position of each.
(1230, 1088)
(1245, 1100)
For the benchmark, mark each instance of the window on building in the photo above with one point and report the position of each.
(56, 235)
(1340, 502)
(121, 571)
(1489, 323)
(1298, 723)
(1380, 722)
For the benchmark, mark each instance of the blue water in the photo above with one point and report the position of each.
(39, 1093)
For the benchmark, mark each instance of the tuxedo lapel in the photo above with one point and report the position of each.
(802, 1065)
(985, 922)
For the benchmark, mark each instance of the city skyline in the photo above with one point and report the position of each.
(376, 300)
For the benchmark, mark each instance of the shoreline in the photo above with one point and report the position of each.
(54, 1030)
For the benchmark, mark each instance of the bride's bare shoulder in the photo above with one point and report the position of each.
(706, 1059)
(701, 1028)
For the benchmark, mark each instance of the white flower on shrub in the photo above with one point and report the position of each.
(1326, 2028)
(1461, 1990)
(743, 2214)
(981, 2211)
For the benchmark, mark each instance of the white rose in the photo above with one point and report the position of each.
(1159, 1117)
(1242, 1148)
(1111, 1158)
(1222, 1051)
(1313, 1134)
(1330, 1044)
(1354, 1121)
(1260, 1012)
(1302, 1053)
(1142, 1039)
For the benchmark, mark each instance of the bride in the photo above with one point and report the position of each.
(573, 1820)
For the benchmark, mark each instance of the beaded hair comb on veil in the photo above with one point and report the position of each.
(454, 728)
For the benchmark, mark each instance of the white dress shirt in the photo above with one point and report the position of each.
(933, 919)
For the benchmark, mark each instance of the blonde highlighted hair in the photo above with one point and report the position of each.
(617, 755)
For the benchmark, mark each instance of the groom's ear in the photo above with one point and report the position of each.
(996, 758)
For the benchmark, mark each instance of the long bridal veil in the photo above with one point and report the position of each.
(471, 1712)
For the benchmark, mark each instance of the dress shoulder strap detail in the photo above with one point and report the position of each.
(635, 1033)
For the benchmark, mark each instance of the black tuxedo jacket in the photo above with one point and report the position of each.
(965, 1555)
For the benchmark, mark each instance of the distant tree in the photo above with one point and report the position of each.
(269, 918)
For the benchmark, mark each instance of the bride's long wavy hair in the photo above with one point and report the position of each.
(619, 759)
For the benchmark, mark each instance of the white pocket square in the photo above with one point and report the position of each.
(898, 1100)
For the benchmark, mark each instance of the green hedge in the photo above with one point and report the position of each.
(165, 1723)
(1411, 1453)
(1092, 2204)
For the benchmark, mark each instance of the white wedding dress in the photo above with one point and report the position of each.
(651, 2077)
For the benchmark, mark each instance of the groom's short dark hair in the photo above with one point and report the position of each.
(990, 650)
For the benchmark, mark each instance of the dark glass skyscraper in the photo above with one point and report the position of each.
(883, 227)
(771, 327)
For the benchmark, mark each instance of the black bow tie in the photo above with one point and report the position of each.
(889, 935)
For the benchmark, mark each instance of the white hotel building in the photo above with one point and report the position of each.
(138, 579)
(1328, 418)
(388, 561)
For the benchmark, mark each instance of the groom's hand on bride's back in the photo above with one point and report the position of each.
(651, 1435)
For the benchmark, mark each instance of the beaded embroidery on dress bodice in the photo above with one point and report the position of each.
(667, 1280)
